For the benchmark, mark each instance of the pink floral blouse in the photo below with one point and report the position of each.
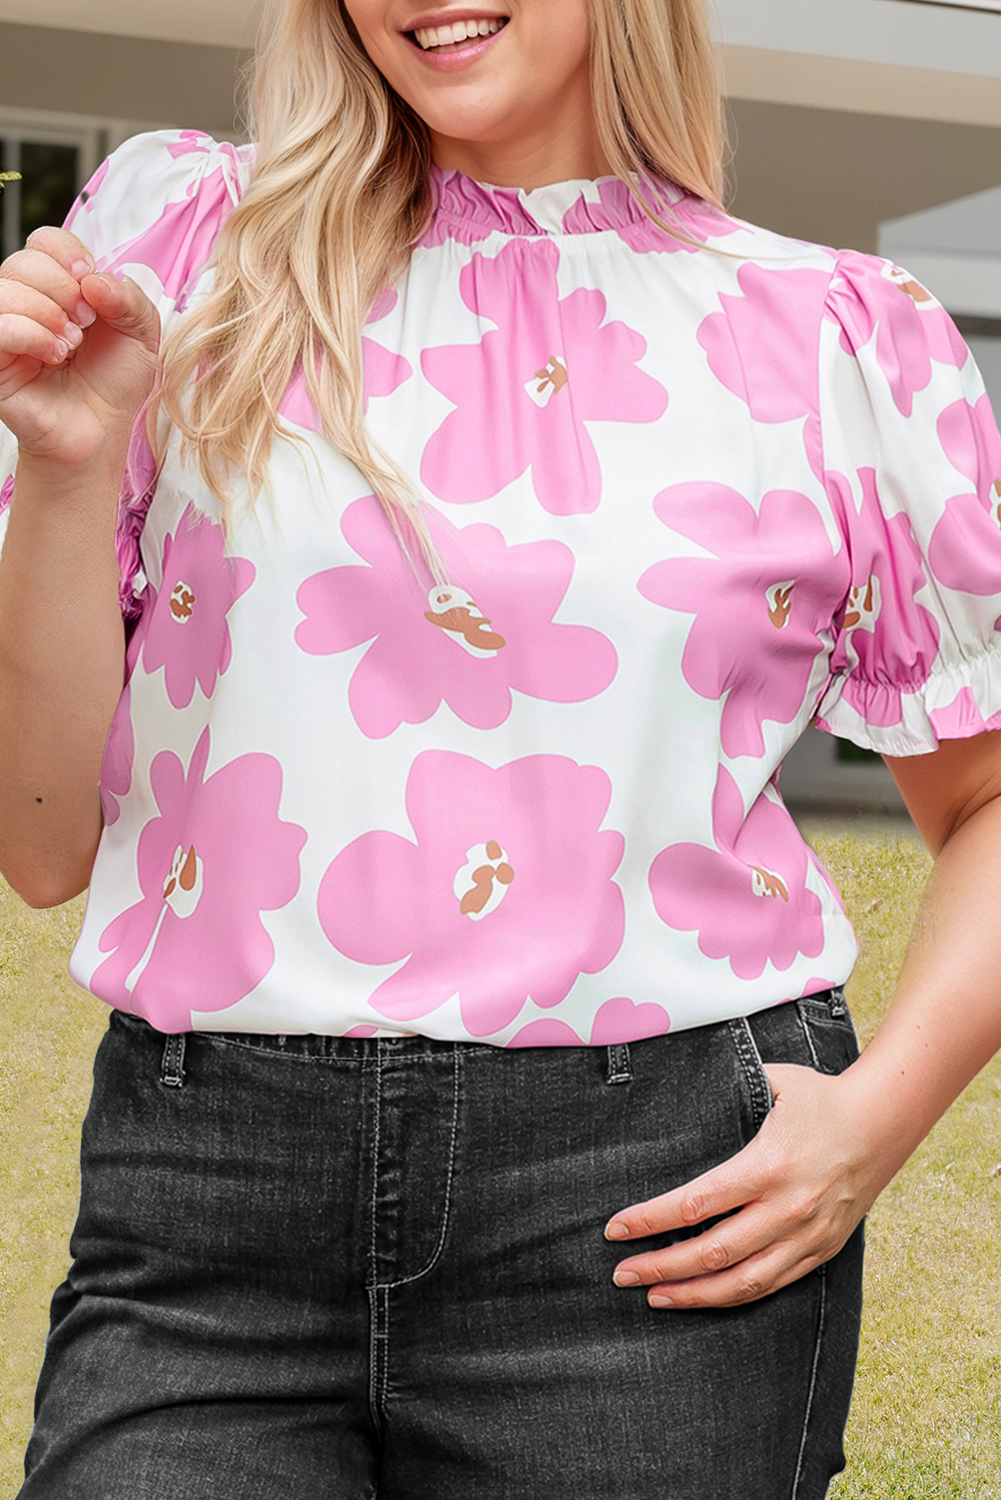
(689, 499)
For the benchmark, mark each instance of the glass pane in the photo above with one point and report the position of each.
(49, 184)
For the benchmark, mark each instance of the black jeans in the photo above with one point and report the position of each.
(320, 1267)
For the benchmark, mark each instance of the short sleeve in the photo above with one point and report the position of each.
(152, 211)
(912, 468)
(8, 463)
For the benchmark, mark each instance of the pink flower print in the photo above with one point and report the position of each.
(119, 753)
(965, 548)
(961, 718)
(765, 346)
(506, 892)
(620, 1020)
(911, 328)
(384, 370)
(549, 367)
(196, 936)
(755, 657)
(887, 643)
(746, 898)
(6, 494)
(185, 630)
(618, 210)
(85, 202)
(180, 244)
(190, 143)
(120, 750)
(383, 373)
(470, 645)
(546, 1034)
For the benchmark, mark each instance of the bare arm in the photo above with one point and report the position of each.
(831, 1145)
(77, 359)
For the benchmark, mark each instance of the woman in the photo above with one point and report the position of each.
(461, 952)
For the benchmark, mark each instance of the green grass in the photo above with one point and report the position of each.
(926, 1423)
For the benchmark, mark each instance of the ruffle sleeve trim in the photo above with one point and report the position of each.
(190, 183)
(956, 702)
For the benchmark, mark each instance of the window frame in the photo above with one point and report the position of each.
(93, 137)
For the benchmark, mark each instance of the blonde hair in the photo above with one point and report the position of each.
(341, 193)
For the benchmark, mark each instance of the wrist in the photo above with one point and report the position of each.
(97, 476)
(892, 1103)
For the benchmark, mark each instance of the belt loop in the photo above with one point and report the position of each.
(619, 1067)
(836, 1001)
(172, 1068)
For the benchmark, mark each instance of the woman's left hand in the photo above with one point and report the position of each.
(799, 1189)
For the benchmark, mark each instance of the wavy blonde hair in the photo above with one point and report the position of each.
(339, 196)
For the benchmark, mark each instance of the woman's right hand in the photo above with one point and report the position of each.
(78, 351)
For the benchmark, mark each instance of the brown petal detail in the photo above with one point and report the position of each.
(915, 291)
(483, 884)
(778, 612)
(774, 886)
(189, 871)
(554, 373)
(505, 874)
(494, 850)
(169, 888)
(473, 628)
(182, 605)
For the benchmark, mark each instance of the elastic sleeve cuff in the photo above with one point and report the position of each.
(957, 702)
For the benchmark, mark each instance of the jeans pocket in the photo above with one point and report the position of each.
(829, 1032)
(752, 1069)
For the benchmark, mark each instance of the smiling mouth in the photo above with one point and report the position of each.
(457, 35)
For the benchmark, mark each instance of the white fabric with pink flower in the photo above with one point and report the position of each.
(690, 493)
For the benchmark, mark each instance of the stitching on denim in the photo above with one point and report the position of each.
(762, 1098)
(821, 1325)
(373, 1248)
(378, 1353)
(619, 1064)
(808, 1034)
(172, 1068)
(376, 1304)
(449, 1177)
(282, 1053)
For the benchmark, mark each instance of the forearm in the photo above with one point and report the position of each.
(945, 1019)
(61, 672)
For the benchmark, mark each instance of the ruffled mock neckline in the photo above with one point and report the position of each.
(577, 206)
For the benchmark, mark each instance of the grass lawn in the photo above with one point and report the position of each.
(926, 1424)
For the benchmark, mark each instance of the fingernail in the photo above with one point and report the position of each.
(657, 1299)
(84, 314)
(62, 349)
(626, 1278)
(82, 268)
(73, 335)
(616, 1231)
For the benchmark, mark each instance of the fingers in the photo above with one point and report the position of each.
(22, 337)
(64, 248)
(24, 303)
(124, 306)
(54, 280)
(719, 1191)
(784, 1204)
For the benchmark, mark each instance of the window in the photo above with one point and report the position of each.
(54, 159)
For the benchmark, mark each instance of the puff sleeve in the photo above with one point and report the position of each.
(152, 211)
(912, 468)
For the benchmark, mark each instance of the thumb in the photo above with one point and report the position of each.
(125, 307)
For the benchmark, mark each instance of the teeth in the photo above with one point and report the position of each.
(459, 31)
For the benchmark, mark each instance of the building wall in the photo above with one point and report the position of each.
(120, 78)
